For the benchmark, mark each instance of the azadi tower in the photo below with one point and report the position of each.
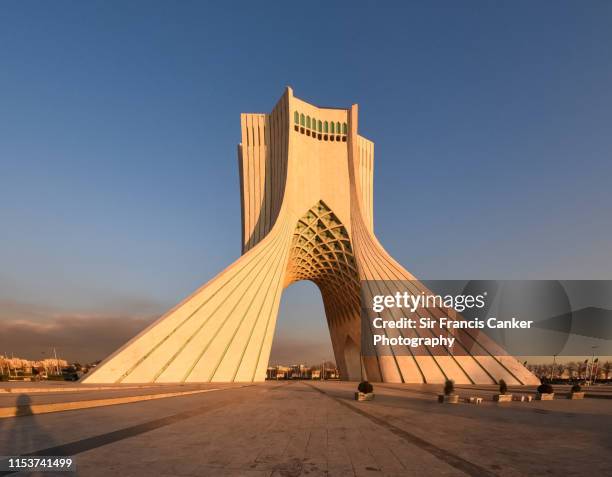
(306, 177)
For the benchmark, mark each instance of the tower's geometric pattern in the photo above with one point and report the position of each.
(321, 252)
(306, 182)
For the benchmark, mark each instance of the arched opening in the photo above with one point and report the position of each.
(321, 252)
(302, 334)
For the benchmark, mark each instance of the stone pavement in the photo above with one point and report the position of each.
(315, 429)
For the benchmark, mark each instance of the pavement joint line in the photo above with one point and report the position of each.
(58, 389)
(35, 409)
(90, 443)
(459, 463)
(408, 390)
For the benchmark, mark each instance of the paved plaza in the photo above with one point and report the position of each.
(311, 429)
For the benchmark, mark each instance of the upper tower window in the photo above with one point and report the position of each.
(304, 123)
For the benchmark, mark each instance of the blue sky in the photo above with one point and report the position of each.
(119, 123)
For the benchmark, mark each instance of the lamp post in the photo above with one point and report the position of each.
(552, 371)
(57, 371)
(593, 348)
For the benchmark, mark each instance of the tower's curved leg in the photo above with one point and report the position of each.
(476, 358)
(223, 332)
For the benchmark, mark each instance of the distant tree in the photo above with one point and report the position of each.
(571, 367)
(550, 371)
(606, 367)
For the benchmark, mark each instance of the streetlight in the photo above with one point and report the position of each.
(593, 348)
(57, 370)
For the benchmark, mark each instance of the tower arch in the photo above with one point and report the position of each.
(321, 252)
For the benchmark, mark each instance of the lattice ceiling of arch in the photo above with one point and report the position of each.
(321, 252)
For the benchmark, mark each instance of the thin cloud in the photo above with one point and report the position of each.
(76, 337)
(32, 331)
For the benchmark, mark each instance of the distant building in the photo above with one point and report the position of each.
(302, 371)
(19, 366)
(278, 372)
